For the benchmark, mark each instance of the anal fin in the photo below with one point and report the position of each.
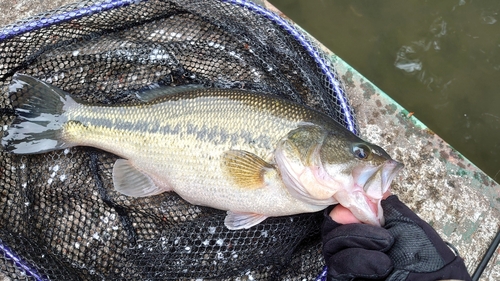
(130, 181)
(235, 220)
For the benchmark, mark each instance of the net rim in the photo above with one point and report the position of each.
(22, 27)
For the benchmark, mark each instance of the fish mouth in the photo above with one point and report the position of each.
(371, 183)
(377, 180)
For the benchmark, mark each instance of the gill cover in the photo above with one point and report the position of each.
(297, 158)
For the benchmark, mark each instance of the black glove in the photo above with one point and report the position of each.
(407, 248)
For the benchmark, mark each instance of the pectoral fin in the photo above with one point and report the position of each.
(235, 220)
(246, 169)
(128, 180)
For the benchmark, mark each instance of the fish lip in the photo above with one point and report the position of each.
(389, 171)
(360, 175)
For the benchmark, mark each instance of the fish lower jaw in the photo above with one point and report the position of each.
(362, 207)
(374, 207)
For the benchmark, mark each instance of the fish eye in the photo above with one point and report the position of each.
(361, 151)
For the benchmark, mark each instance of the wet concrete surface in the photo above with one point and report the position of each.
(14, 10)
(438, 183)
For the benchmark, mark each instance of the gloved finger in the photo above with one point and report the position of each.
(396, 213)
(362, 236)
(358, 263)
(455, 270)
(328, 223)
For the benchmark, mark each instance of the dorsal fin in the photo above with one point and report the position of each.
(162, 91)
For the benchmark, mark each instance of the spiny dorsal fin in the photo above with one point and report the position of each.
(246, 169)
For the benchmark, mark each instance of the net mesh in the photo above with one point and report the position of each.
(60, 217)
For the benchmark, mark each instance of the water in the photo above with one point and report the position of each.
(439, 59)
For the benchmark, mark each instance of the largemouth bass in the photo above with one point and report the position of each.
(253, 155)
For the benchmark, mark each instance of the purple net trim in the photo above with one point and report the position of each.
(19, 262)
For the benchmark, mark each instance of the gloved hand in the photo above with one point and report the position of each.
(406, 248)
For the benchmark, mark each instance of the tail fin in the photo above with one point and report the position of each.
(39, 109)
